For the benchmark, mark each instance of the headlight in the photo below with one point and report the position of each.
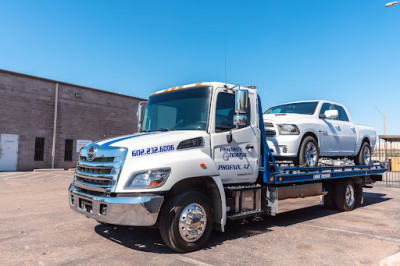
(190, 143)
(149, 179)
(288, 129)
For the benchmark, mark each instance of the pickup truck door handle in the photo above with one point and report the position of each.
(338, 127)
(249, 147)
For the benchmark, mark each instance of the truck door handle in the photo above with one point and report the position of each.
(338, 127)
(249, 147)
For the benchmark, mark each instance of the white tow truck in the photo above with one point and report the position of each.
(199, 159)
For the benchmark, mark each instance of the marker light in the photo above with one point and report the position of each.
(190, 143)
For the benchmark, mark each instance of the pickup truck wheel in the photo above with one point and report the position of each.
(345, 195)
(186, 222)
(364, 155)
(308, 154)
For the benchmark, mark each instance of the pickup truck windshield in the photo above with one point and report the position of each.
(185, 109)
(304, 108)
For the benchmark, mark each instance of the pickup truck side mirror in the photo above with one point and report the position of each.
(140, 114)
(331, 114)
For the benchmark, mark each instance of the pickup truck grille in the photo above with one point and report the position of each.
(268, 124)
(270, 132)
(99, 176)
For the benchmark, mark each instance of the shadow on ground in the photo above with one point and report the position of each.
(149, 240)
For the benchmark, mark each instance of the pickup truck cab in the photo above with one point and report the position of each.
(305, 131)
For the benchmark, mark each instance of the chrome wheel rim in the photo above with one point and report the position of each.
(349, 195)
(192, 222)
(311, 154)
(367, 155)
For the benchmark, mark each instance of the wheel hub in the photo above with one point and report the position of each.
(311, 154)
(349, 195)
(367, 155)
(192, 222)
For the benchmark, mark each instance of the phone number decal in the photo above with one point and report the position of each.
(153, 150)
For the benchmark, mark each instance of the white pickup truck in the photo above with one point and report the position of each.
(305, 131)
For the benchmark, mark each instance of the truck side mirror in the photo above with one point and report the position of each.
(331, 114)
(140, 114)
(241, 97)
(240, 120)
(241, 102)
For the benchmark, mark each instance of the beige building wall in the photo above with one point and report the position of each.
(27, 109)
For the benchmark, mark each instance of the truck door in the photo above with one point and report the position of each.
(236, 161)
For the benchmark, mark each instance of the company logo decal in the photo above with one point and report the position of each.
(232, 152)
(91, 153)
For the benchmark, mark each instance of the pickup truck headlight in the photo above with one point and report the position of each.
(149, 179)
(288, 129)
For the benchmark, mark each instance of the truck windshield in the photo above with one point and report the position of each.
(304, 108)
(185, 109)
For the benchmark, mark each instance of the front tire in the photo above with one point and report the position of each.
(364, 155)
(186, 222)
(308, 153)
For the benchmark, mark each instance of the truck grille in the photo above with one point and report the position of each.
(99, 176)
(95, 170)
(98, 160)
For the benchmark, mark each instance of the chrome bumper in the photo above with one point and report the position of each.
(134, 211)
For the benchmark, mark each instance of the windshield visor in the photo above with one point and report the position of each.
(185, 109)
(305, 108)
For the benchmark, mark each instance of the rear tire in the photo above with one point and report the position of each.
(364, 155)
(359, 194)
(329, 201)
(308, 153)
(345, 195)
(186, 222)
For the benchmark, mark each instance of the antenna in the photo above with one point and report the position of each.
(226, 79)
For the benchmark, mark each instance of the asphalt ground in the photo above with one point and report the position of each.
(37, 227)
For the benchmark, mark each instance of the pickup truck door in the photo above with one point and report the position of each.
(329, 137)
(237, 161)
(346, 132)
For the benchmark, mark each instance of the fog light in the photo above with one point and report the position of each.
(283, 148)
(103, 209)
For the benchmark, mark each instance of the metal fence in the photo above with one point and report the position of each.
(389, 179)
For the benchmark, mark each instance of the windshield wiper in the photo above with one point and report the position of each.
(159, 129)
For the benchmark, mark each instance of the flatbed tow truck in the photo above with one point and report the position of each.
(201, 158)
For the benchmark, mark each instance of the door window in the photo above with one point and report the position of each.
(225, 112)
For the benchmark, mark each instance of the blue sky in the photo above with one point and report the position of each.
(340, 50)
